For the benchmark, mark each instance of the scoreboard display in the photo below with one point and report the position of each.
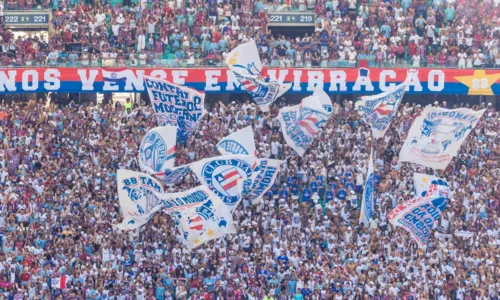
(27, 19)
(290, 19)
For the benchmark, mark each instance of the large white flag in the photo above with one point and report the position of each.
(367, 202)
(224, 174)
(200, 216)
(245, 63)
(262, 179)
(157, 149)
(425, 183)
(137, 198)
(238, 142)
(436, 136)
(175, 105)
(379, 110)
(301, 123)
(419, 215)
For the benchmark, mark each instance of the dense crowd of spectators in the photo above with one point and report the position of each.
(303, 241)
(453, 33)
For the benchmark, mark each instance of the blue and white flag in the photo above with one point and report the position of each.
(225, 174)
(175, 105)
(173, 176)
(301, 123)
(419, 216)
(436, 136)
(238, 142)
(425, 184)
(368, 200)
(262, 180)
(324, 99)
(245, 63)
(202, 218)
(137, 198)
(379, 110)
(115, 76)
(157, 149)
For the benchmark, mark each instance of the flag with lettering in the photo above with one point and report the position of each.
(368, 200)
(245, 63)
(157, 149)
(300, 124)
(225, 174)
(419, 216)
(203, 218)
(239, 142)
(175, 105)
(437, 134)
(137, 198)
(379, 110)
(262, 180)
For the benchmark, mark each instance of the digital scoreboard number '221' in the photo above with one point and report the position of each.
(26, 19)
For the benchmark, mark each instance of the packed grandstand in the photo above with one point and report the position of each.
(59, 161)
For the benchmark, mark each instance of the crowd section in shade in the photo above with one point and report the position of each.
(418, 33)
(303, 241)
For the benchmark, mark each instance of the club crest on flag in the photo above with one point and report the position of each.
(223, 176)
(154, 151)
(310, 120)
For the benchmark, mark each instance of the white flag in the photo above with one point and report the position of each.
(324, 99)
(436, 136)
(136, 195)
(301, 123)
(425, 183)
(175, 105)
(245, 63)
(200, 222)
(379, 110)
(173, 176)
(238, 142)
(157, 149)
(368, 200)
(224, 174)
(262, 179)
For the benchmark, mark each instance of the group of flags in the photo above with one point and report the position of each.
(433, 140)
(205, 212)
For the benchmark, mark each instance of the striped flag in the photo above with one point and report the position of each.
(228, 179)
(59, 283)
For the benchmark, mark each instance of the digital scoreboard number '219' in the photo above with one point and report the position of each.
(290, 19)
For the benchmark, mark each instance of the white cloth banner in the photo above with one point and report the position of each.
(425, 183)
(175, 105)
(224, 175)
(238, 142)
(262, 180)
(157, 149)
(367, 202)
(301, 123)
(436, 136)
(418, 216)
(245, 63)
(200, 216)
(136, 195)
(464, 234)
(379, 110)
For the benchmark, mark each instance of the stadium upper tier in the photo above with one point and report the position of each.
(456, 34)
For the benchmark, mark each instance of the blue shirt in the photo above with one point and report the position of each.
(329, 196)
(306, 194)
(283, 258)
(314, 187)
(342, 194)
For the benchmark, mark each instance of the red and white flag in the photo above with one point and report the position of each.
(59, 283)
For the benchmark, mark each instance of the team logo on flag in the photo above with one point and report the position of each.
(234, 146)
(223, 176)
(155, 152)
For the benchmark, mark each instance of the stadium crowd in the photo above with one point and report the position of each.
(303, 241)
(452, 33)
